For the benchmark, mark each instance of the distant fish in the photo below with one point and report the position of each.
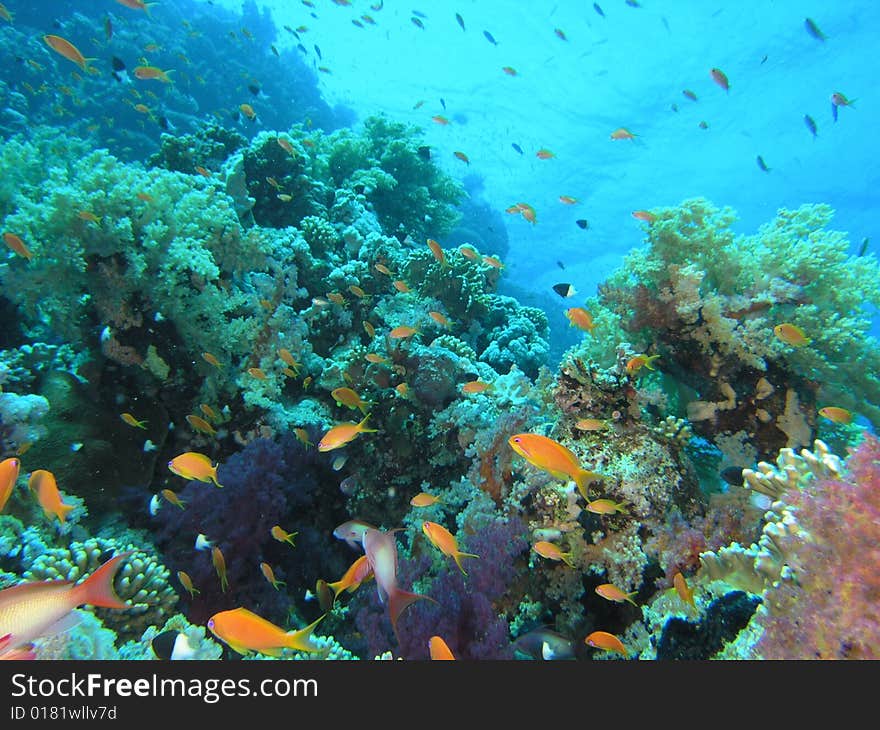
(417, 23)
(583, 223)
(811, 125)
(490, 38)
(764, 59)
(419, 14)
(762, 164)
(424, 152)
(733, 475)
(598, 9)
(442, 102)
(864, 247)
(814, 30)
(460, 21)
(564, 290)
(560, 264)
(318, 51)
(839, 99)
(720, 78)
(516, 147)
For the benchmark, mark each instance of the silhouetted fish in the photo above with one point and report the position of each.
(490, 38)
(443, 103)
(811, 124)
(864, 247)
(733, 475)
(564, 290)
(425, 152)
(583, 223)
(318, 51)
(460, 21)
(516, 147)
(762, 164)
(598, 9)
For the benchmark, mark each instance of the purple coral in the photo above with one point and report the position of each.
(469, 612)
(270, 482)
(830, 610)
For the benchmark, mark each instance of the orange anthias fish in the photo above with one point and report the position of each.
(357, 573)
(604, 640)
(622, 133)
(440, 119)
(147, 73)
(136, 5)
(5, 14)
(605, 507)
(172, 497)
(720, 78)
(17, 245)
(437, 251)
(444, 541)
(832, 413)
(401, 286)
(553, 457)
(439, 649)
(476, 386)
(132, 421)
(494, 261)
(544, 154)
(552, 551)
(248, 111)
(244, 631)
(201, 425)
(9, 470)
(611, 592)
(187, 583)
(471, 253)
(567, 200)
(590, 424)
(581, 318)
(192, 465)
(269, 575)
(280, 534)
(380, 548)
(349, 398)
(644, 215)
(343, 433)
(423, 499)
(791, 334)
(68, 50)
(42, 483)
(462, 156)
(439, 319)
(634, 364)
(210, 359)
(29, 610)
(685, 593)
(220, 566)
(402, 332)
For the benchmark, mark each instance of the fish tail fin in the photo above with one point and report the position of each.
(583, 479)
(362, 426)
(566, 558)
(97, 589)
(398, 600)
(213, 476)
(459, 555)
(302, 638)
(63, 510)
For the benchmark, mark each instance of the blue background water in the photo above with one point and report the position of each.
(625, 69)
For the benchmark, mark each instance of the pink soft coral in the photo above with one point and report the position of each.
(832, 608)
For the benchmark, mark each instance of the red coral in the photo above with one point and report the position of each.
(832, 608)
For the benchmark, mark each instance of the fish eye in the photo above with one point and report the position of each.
(211, 624)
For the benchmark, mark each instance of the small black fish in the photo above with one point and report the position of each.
(118, 63)
(360, 188)
(564, 290)
(560, 264)
(811, 125)
(318, 51)
(425, 152)
(762, 164)
(583, 223)
(443, 103)
(417, 23)
(163, 122)
(254, 89)
(598, 9)
(764, 59)
(864, 247)
(460, 21)
(490, 38)
(172, 645)
(814, 30)
(516, 147)
(733, 475)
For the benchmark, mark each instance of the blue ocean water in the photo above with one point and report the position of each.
(624, 68)
(579, 114)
